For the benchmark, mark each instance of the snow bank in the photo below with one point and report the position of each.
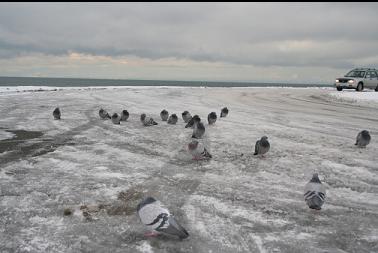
(355, 97)
(18, 89)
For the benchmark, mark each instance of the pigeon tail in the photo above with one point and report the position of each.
(174, 229)
(257, 147)
(315, 207)
(315, 202)
(206, 153)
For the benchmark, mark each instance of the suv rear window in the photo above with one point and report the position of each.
(356, 73)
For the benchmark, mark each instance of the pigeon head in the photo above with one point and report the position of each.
(196, 118)
(143, 117)
(264, 138)
(164, 112)
(145, 202)
(57, 110)
(185, 113)
(125, 112)
(115, 115)
(225, 110)
(101, 110)
(213, 115)
(174, 116)
(365, 133)
(315, 178)
(193, 145)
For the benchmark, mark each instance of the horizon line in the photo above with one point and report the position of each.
(160, 80)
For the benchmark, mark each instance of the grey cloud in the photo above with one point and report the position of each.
(241, 33)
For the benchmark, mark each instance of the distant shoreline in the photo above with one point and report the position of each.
(83, 82)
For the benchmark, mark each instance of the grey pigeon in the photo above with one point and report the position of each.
(224, 112)
(172, 119)
(158, 219)
(199, 130)
(315, 193)
(211, 118)
(164, 115)
(116, 119)
(363, 139)
(103, 114)
(124, 115)
(195, 119)
(186, 116)
(262, 146)
(198, 151)
(56, 113)
(147, 121)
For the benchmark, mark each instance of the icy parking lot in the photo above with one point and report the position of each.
(235, 202)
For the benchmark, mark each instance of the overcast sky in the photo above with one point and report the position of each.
(295, 42)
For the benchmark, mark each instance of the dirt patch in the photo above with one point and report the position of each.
(20, 137)
(126, 204)
(29, 143)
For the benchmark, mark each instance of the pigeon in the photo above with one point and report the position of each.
(164, 115)
(363, 139)
(199, 130)
(314, 193)
(104, 114)
(198, 151)
(211, 118)
(147, 121)
(262, 146)
(224, 112)
(192, 121)
(56, 113)
(116, 119)
(172, 119)
(157, 218)
(124, 115)
(186, 116)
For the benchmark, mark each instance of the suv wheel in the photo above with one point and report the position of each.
(341, 88)
(360, 87)
(376, 88)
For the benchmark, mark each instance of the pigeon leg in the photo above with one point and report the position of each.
(151, 234)
(195, 158)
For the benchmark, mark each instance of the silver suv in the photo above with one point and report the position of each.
(358, 79)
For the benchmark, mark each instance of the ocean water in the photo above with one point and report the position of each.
(81, 82)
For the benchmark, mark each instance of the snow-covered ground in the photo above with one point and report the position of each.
(235, 202)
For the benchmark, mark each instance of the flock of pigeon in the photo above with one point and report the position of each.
(156, 217)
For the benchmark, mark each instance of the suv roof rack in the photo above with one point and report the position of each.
(365, 69)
